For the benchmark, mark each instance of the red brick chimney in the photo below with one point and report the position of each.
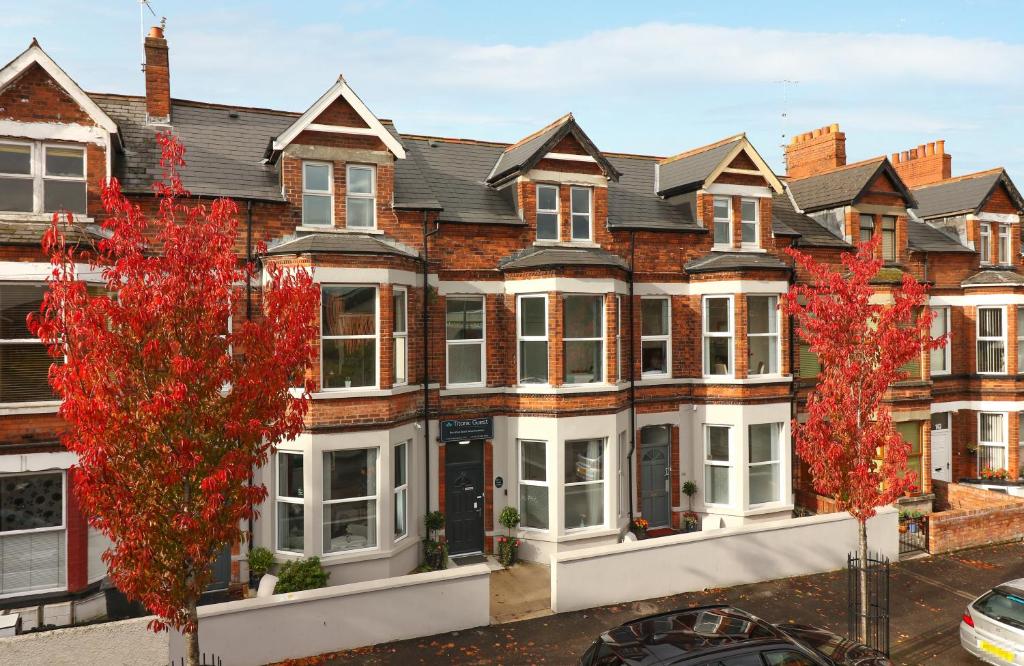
(813, 152)
(158, 77)
(924, 165)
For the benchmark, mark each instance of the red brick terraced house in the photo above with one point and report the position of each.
(543, 324)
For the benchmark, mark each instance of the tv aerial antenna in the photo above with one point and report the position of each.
(784, 134)
(143, 7)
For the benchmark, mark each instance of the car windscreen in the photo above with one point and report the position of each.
(1002, 605)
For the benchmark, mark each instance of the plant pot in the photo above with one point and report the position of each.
(254, 580)
(903, 528)
(912, 528)
(508, 553)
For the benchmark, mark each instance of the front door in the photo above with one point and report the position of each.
(655, 473)
(464, 497)
(942, 447)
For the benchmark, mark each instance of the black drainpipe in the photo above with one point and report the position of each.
(794, 371)
(248, 316)
(632, 380)
(426, 359)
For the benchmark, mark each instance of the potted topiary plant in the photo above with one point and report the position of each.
(690, 518)
(261, 561)
(508, 546)
(435, 550)
(297, 575)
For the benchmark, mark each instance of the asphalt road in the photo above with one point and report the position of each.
(928, 597)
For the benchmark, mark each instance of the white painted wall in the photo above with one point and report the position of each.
(300, 624)
(125, 643)
(721, 558)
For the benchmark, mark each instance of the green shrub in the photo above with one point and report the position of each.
(299, 575)
(509, 518)
(261, 560)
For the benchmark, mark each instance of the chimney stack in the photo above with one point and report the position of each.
(817, 151)
(158, 77)
(924, 165)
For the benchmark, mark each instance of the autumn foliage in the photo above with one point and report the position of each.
(168, 408)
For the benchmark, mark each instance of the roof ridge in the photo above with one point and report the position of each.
(558, 121)
(853, 165)
(701, 149)
(450, 139)
(208, 105)
(966, 176)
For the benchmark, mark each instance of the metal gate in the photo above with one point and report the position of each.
(877, 610)
(913, 534)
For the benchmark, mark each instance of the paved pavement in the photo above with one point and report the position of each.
(928, 597)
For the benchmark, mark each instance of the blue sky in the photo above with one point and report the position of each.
(654, 78)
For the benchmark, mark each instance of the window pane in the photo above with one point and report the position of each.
(910, 432)
(990, 356)
(748, 210)
(717, 313)
(31, 502)
(464, 318)
(69, 162)
(316, 209)
(534, 461)
(16, 159)
(991, 428)
(990, 322)
(584, 460)
(349, 363)
(359, 212)
(653, 316)
(764, 355)
(717, 482)
(722, 233)
(584, 506)
(66, 195)
(349, 474)
(290, 526)
(533, 361)
(761, 314)
(401, 512)
(580, 227)
(718, 444)
(401, 360)
(764, 442)
(532, 317)
(764, 484)
(350, 526)
(289, 475)
(654, 356)
(317, 177)
(749, 232)
(16, 195)
(582, 316)
(398, 301)
(533, 506)
(360, 180)
(547, 198)
(716, 361)
(464, 364)
(580, 200)
(939, 327)
(721, 209)
(400, 465)
(349, 311)
(16, 302)
(992, 457)
(24, 373)
(583, 361)
(547, 226)
(32, 561)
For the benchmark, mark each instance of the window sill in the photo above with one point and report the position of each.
(360, 392)
(566, 243)
(40, 217)
(328, 229)
(758, 510)
(40, 407)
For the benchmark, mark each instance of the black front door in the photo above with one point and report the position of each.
(464, 497)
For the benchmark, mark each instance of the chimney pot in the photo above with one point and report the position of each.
(834, 127)
(940, 146)
(895, 158)
(905, 156)
(156, 32)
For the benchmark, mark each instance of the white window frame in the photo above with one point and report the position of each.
(1003, 246)
(37, 173)
(375, 337)
(287, 499)
(778, 429)
(600, 339)
(1005, 444)
(777, 335)
(520, 338)
(603, 482)
(324, 503)
(731, 334)
(667, 338)
(756, 222)
(371, 196)
(716, 220)
(482, 342)
(944, 314)
(399, 489)
(63, 527)
(985, 240)
(546, 483)
(619, 374)
(589, 215)
(1003, 339)
(329, 193)
(552, 211)
(24, 342)
(400, 335)
(729, 464)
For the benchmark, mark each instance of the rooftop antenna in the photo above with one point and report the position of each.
(786, 83)
(143, 5)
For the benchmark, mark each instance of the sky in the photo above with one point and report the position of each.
(643, 77)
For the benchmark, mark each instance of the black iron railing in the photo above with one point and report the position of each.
(876, 611)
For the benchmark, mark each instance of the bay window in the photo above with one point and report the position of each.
(1003, 245)
(400, 482)
(400, 334)
(581, 222)
(349, 321)
(33, 553)
(42, 178)
(992, 340)
(748, 222)
(940, 358)
(464, 333)
(723, 221)
(992, 441)
(888, 238)
(717, 464)
(985, 240)
(584, 483)
(290, 502)
(360, 197)
(584, 342)
(718, 348)
(533, 484)
(24, 361)
(317, 194)
(763, 335)
(533, 339)
(655, 336)
(349, 500)
(764, 479)
(547, 212)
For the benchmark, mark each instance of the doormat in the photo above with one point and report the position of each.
(660, 532)
(469, 559)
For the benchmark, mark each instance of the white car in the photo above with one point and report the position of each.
(992, 627)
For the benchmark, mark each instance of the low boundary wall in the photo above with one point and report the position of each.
(973, 517)
(250, 632)
(631, 571)
(124, 643)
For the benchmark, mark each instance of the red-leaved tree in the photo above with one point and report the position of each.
(863, 339)
(168, 408)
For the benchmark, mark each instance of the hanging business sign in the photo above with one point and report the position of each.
(458, 430)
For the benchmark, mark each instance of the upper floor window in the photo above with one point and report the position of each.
(718, 349)
(533, 339)
(584, 342)
(317, 193)
(349, 345)
(763, 335)
(24, 361)
(619, 370)
(985, 240)
(581, 222)
(748, 222)
(42, 178)
(867, 228)
(940, 358)
(889, 238)
(992, 340)
(655, 336)
(723, 221)
(547, 212)
(1003, 246)
(464, 326)
(400, 334)
(360, 197)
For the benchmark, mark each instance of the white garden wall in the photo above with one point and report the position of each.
(664, 566)
(299, 624)
(125, 643)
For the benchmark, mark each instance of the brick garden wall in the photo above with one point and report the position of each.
(973, 517)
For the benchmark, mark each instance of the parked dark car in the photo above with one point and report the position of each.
(724, 636)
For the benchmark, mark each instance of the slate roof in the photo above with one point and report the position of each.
(515, 156)
(632, 203)
(340, 243)
(965, 194)
(923, 237)
(412, 191)
(14, 232)
(810, 232)
(521, 156)
(539, 256)
(994, 276)
(689, 170)
(714, 262)
(841, 186)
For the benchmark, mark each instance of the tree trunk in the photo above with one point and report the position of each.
(862, 538)
(192, 638)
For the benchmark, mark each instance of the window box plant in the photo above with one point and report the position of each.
(508, 546)
(639, 527)
(261, 561)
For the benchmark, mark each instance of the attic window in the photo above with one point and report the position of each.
(723, 221)
(42, 178)
(888, 238)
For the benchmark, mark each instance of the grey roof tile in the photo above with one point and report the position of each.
(633, 204)
(17, 232)
(340, 243)
(923, 237)
(690, 169)
(714, 262)
(523, 155)
(539, 256)
(995, 276)
(960, 195)
(412, 191)
(841, 186)
(811, 233)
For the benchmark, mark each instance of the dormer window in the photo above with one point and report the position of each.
(986, 243)
(867, 228)
(580, 213)
(1003, 248)
(889, 238)
(317, 194)
(360, 197)
(748, 222)
(42, 178)
(723, 221)
(547, 212)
